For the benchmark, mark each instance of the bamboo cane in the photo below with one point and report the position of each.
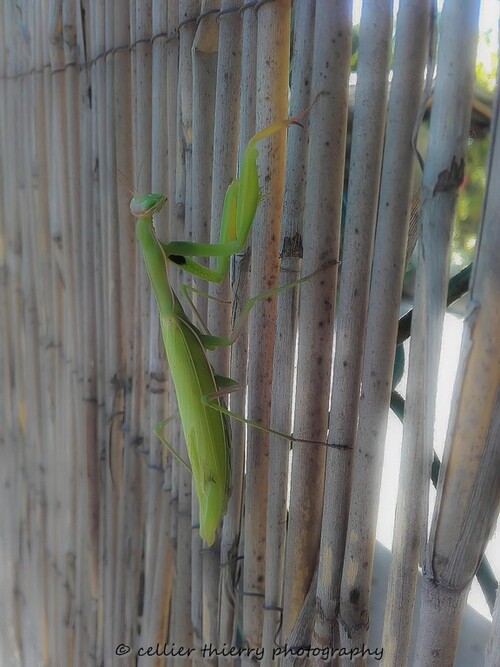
(451, 103)
(386, 281)
(364, 180)
(331, 64)
(273, 46)
(286, 325)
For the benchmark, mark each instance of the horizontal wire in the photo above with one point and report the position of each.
(168, 37)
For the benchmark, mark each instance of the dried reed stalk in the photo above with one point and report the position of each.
(127, 504)
(62, 477)
(230, 603)
(158, 562)
(99, 447)
(20, 570)
(24, 444)
(447, 145)
(382, 321)
(323, 210)
(364, 180)
(204, 55)
(225, 154)
(180, 227)
(468, 493)
(286, 326)
(273, 48)
(492, 650)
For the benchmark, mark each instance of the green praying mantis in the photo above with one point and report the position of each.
(198, 389)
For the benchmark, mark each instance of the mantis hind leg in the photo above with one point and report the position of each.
(158, 430)
(226, 386)
(212, 401)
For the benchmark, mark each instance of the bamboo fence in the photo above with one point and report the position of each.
(100, 552)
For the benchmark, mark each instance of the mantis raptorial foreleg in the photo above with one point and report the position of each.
(240, 206)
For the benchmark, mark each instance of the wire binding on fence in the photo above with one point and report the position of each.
(169, 37)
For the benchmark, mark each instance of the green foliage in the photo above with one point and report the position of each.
(469, 204)
(487, 63)
(470, 199)
(355, 48)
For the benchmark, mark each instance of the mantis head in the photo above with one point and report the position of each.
(148, 205)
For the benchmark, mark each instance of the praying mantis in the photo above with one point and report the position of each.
(198, 389)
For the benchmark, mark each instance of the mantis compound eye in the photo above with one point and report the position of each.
(177, 259)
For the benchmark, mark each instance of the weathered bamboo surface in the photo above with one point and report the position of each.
(101, 562)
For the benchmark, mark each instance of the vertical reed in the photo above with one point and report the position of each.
(381, 328)
(361, 211)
